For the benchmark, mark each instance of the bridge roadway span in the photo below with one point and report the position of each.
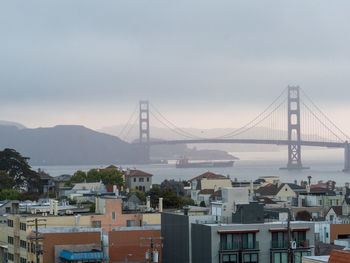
(251, 141)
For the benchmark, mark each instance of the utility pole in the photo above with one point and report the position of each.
(152, 245)
(37, 251)
(289, 239)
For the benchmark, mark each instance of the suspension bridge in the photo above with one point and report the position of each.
(292, 119)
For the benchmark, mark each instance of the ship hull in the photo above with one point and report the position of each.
(205, 164)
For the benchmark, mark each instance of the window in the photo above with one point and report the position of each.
(331, 217)
(10, 223)
(248, 241)
(23, 226)
(141, 179)
(250, 258)
(229, 258)
(147, 179)
(134, 179)
(130, 223)
(113, 215)
(8, 210)
(10, 240)
(280, 257)
(279, 240)
(319, 202)
(299, 255)
(23, 260)
(10, 256)
(96, 224)
(23, 244)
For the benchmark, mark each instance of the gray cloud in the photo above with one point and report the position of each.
(216, 52)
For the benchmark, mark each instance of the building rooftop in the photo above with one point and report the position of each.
(318, 258)
(139, 173)
(136, 228)
(208, 175)
(68, 230)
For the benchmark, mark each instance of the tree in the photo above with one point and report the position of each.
(93, 175)
(13, 163)
(78, 177)
(112, 177)
(10, 194)
(303, 216)
(175, 186)
(6, 181)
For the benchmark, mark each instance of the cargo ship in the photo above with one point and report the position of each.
(185, 163)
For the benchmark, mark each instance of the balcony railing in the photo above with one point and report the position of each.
(303, 243)
(279, 244)
(283, 244)
(236, 246)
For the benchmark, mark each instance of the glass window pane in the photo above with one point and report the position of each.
(284, 258)
(254, 257)
(246, 258)
(276, 258)
(229, 241)
(233, 258)
(250, 240)
(225, 258)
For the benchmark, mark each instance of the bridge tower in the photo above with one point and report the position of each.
(346, 157)
(144, 130)
(294, 137)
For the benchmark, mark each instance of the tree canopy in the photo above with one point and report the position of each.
(107, 176)
(16, 172)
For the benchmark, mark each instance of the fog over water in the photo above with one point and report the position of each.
(325, 164)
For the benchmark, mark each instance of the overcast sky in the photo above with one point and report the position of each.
(89, 62)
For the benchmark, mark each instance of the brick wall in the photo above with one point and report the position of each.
(79, 238)
(122, 243)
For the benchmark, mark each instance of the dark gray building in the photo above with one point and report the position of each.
(196, 239)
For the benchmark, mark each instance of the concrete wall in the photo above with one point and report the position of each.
(215, 183)
(151, 219)
(286, 193)
(322, 229)
(107, 221)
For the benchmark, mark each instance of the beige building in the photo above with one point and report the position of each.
(208, 181)
(18, 228)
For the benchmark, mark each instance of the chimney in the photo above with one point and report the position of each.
(55, 207)
(160, 205)
(148, 203)
(77, 220)
(51, 206)
(186, 208)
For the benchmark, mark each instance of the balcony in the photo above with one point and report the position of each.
(279, 244)
(239, 246)
(303, 243)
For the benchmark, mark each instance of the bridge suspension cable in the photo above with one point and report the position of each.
(256, 121)
(171, 125)
(327, 119)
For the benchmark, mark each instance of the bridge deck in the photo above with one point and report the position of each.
(251, 141)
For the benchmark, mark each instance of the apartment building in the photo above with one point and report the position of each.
(201, 240)
(19, 226)
(66, 244)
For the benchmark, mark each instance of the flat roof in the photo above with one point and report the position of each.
(135, 228)
(318, 258)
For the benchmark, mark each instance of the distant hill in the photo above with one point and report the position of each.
(11, 123)
(66, 145)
